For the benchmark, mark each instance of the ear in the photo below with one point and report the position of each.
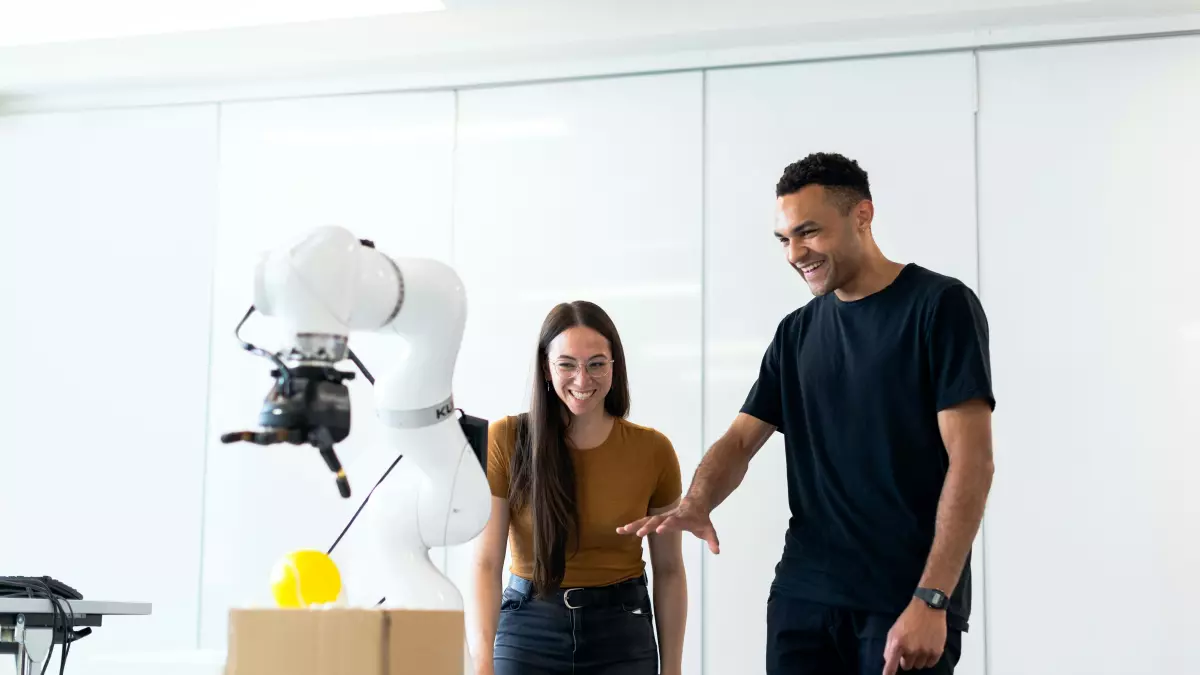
(864, 214)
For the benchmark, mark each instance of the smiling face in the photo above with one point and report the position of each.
(823, 238)
(580, 369)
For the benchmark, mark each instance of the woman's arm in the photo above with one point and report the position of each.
(670, 595)
(488, 568)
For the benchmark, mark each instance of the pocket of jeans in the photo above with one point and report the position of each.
(639, 607)
(639, 624)
(511, 601)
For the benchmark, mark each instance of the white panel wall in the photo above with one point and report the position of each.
(909, 122)
(1089, 156)
(652, 196)
(379, 165)
(585, 190)
(105, 274)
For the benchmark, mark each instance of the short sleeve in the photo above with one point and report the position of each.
(670, 483)
(765, 400)
(501, 440)
(959, 358)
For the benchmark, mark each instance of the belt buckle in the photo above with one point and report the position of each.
(567, 598)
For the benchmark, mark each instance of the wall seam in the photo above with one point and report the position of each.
(219, 110)
(453, 240)
(987, 609)
(703, 344)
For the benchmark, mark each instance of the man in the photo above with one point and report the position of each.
(881, 386)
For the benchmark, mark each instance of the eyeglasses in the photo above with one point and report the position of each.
(595, 368)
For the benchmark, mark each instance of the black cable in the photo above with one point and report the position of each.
(364, 503)
(367, 374)
(361, 368)
(68, 628)
(60, 618)
(285, 375)
(39, 587)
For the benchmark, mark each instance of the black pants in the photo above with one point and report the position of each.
(593, 631)
(805, 638)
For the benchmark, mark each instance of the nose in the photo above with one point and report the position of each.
(796, 253)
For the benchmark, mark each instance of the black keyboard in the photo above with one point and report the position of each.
(35, 587)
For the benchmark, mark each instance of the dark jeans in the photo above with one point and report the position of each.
(593, 631)
(806, 638)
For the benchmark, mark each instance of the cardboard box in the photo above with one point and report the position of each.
(345, 642)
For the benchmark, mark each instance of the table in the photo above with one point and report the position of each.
(27, 625)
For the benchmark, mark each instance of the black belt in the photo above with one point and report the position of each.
(622, 592)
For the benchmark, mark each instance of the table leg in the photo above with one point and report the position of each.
(24, 665)
(33, 647)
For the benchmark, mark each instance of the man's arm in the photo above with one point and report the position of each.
(967, 433)
(720, 472)
(917, 638)
(725, 464)
(961, 373)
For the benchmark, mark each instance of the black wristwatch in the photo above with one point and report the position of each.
(932, 597)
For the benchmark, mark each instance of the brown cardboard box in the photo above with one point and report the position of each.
(345, 642)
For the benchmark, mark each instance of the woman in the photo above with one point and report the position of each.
(564, 477)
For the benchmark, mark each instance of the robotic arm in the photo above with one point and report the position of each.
(321, 290)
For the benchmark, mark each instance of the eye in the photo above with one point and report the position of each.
(599, 368)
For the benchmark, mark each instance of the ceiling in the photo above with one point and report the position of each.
(393, 44)
(42, 22)
(48, 21)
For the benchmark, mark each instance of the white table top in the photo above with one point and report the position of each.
(42, 606)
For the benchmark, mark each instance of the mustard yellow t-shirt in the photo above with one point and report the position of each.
(634, 470)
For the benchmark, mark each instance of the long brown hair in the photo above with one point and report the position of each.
(543, 475)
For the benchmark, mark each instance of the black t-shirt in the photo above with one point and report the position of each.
(855, 387)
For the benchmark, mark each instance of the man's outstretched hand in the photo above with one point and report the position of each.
(684, 517)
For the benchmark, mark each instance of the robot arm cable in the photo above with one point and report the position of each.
(361, 368)
(285, 374)
(367, 374)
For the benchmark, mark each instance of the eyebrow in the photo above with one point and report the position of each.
(797, 229)
(593, 356)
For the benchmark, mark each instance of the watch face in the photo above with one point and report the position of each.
(932, 597)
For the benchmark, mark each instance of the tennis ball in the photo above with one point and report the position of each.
(303, 578)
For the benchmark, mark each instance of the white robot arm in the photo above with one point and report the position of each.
(321, 290)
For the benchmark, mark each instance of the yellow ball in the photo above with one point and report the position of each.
(304, 578)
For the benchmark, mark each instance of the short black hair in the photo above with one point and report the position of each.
(837, 173)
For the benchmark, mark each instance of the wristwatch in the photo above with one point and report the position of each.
(932, 597)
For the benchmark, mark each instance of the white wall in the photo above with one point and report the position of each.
(671, 179)
(1088, 158)
(105, 271)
